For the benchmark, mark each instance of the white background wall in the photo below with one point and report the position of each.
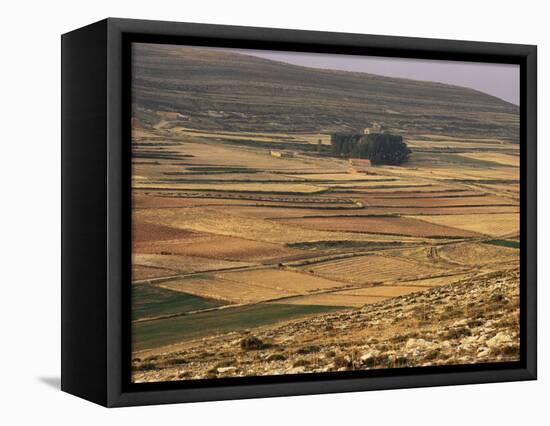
(30, 211)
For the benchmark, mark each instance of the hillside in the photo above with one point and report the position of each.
(472, 321)
(216, 90)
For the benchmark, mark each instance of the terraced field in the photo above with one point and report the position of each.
(387, 225)
(212, 286)
(480, 253)
(450, 200)
(488, 224)
(167, 264)
(373, 268)
(255, 187)
(495, 157)
(244, 221)
(248, 244)
(218, 247)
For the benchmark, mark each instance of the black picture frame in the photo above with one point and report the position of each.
(96, 211)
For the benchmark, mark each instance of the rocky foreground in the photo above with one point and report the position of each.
(473, 321)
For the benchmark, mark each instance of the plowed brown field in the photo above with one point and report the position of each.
(380, 225)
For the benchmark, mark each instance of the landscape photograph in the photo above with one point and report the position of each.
(297, 213)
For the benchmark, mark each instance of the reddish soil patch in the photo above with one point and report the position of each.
(443, 210)
(437, 202)
(144, 231)
(380, 225)
(217, 247)
(434, 194)
(142, 201)
(140, 272)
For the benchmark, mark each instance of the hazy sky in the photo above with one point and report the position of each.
(500, 80)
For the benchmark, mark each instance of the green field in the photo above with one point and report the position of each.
(152, 301)
(504, 243)
(152, 334)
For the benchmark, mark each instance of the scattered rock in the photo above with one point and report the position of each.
(308, 349)
(342, 362)
(250, 343)
(499, 340)
(275, 357)
(417, 344)
(368, 356)
(483, 352)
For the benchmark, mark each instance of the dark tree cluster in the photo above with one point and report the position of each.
(346, 144)
(385, 148)
(379, 148)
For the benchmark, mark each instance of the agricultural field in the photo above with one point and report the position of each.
(385, 225)
(154, 302)
(495, 157)
(374, 268)
(245, 223)
(488, 224)
(166, 264)
(177, 329)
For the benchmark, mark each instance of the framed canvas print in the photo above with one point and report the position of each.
(253, 212)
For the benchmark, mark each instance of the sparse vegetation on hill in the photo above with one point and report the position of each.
(245, 93)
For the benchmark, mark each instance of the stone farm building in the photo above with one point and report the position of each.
(374, 128)
(359, 165)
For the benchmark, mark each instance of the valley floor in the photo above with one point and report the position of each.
(246, 263)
